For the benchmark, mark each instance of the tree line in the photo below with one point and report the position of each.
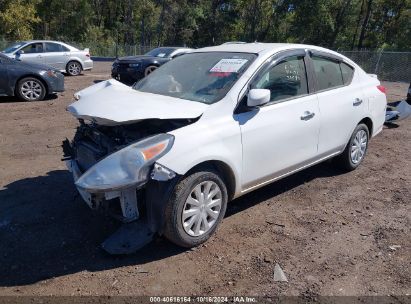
(336, 24)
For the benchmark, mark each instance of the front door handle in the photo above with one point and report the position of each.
(357, 102)
(307, 115)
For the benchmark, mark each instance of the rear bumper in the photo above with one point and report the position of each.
(87, 64)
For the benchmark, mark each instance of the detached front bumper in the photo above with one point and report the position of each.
(131, 236)
(150, 198)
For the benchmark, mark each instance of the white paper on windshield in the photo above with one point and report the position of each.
(228, 66)
(161, 55)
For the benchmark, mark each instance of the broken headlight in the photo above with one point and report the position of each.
(127, 167)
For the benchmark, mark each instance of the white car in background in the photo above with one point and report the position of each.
(214, 124)
(59, 55)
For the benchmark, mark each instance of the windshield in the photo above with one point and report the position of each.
(13, 47)
(161, 52)
(202, 77)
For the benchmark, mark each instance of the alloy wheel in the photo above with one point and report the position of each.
(74, 69)
(31, 90)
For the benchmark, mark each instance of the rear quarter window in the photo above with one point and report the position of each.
(53, 47)
(347, 73)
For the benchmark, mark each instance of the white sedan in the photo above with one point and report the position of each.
(215, 124)
(59, 55)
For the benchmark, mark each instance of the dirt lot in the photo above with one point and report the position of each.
(330, 232)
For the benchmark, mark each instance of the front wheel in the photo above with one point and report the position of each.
(31, 89)
(354, 153)
(150, 69)
(195, 209)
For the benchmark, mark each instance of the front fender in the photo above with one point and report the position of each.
(206, 140)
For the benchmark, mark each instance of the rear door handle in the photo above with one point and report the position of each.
(307, 115)
(357, 102)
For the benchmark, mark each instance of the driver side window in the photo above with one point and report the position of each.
(33, 48)
(285, 80)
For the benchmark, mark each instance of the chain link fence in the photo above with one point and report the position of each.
(113, 50)
(389, 66)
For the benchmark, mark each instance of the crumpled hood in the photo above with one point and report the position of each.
(112, 103)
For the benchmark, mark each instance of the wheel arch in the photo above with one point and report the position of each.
(224, 170)
(75, 60)
(154, 63)
(368, 122)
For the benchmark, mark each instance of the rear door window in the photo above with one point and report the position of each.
(64, 49)
(328, 73)
(53, 47)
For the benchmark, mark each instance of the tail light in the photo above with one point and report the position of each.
(88, 55)
(382, 89)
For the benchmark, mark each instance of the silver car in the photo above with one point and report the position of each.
(59, 55)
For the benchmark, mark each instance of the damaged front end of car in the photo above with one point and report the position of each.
(115, 169)
(119, 176)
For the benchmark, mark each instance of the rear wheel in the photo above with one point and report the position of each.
(356, 149)
(195, 209)
(74, 68)
(31, 89)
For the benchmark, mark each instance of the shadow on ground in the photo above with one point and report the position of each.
(12, 99)
(47, 231)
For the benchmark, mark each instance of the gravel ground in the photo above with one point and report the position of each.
(330, 232)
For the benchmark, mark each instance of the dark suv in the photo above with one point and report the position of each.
(133, 68)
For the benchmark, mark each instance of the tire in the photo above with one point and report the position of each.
(31, 89)
(349, 160)
(177, 224)
(149, 70)
(74, 68)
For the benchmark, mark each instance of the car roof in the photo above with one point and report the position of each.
(52, 41)
(173, 47)
(31, 41)
(259, 48)
(267, 49)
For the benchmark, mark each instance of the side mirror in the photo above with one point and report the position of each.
(258, 97)
(18, 54)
